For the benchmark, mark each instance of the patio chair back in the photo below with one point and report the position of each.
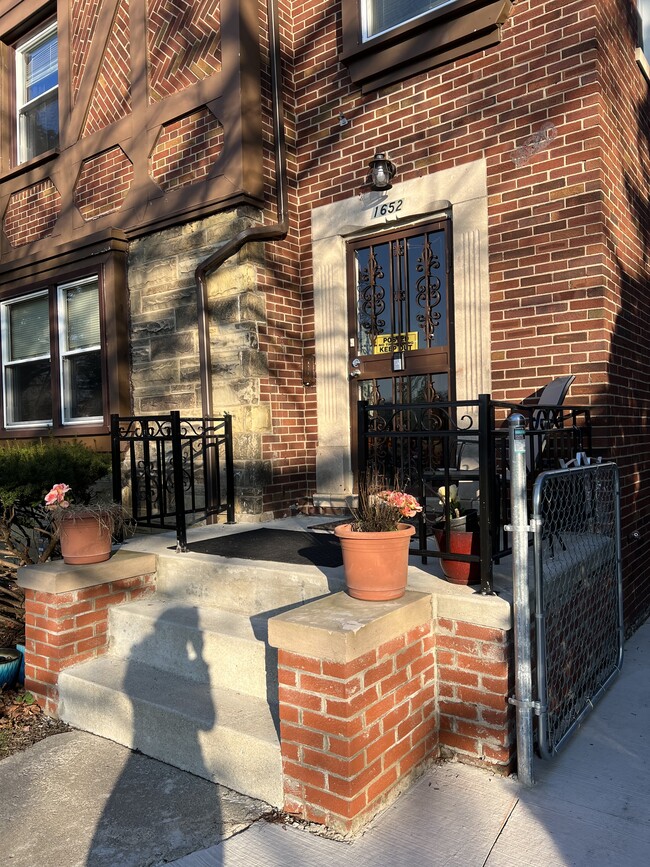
(552, 396)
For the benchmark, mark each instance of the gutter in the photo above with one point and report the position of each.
(270, 232)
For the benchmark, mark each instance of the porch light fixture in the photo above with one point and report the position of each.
(382, 172)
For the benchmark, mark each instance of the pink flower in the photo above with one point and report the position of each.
(405, 504)
(56, 497)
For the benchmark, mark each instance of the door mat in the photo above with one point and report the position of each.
(277, 546)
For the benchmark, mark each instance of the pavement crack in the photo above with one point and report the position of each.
(503, 825)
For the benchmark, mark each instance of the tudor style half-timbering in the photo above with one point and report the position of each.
(120, 118)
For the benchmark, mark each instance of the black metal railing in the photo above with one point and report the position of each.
(178, 470)
(423, 447)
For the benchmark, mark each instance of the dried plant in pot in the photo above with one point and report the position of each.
(457, 533)
(85, 531)
(375, 544)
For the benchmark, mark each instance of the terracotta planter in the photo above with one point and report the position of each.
(85, 539)
(375, 564)
(461, 541)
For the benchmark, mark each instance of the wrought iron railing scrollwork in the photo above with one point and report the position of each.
(423, 447)
(177, 470)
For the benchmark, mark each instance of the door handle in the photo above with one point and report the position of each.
(354, 374)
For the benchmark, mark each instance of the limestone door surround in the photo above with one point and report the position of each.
(459, 193)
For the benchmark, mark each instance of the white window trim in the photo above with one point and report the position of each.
(40, 36)
(7, 362)
(65, 397)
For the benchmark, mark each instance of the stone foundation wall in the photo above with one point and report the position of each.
(164, 336)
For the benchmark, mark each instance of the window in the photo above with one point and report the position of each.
(380, 16)
(644, 25)
(385, 41)
(81, 362)
(37, 94)
(53, 376)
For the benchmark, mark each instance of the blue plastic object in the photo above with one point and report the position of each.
(10, 660)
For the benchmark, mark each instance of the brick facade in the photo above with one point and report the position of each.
(555, 111)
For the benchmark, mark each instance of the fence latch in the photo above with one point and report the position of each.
(535, 526)
(535, 706)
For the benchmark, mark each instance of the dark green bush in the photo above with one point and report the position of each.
(27, 472)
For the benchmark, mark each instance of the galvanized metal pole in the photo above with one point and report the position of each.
(523, 700)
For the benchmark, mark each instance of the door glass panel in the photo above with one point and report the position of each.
(401, 296)
(426, 388)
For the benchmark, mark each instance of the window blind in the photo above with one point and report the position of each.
(82, 316)
(29, 325)
(41, 67)
(382, 15)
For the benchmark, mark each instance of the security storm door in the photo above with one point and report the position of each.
(401, 317)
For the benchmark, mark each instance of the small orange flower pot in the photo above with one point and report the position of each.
(375, 564)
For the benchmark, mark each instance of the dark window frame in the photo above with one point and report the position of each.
(423, 43)
(57, 424)
(109, 267)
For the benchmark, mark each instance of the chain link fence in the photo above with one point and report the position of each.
(578, 607)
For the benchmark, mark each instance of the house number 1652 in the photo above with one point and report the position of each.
(388, 208)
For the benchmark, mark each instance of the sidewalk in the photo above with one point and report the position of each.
(75, 800)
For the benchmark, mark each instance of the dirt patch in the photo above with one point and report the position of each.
(23, 723)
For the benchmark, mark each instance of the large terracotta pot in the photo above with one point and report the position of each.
(461, 541)
(375, 564)
(85, 539)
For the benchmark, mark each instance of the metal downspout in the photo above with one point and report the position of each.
(273, 232)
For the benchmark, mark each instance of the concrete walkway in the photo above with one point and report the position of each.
(76, 800)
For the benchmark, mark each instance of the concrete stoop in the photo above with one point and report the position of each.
(189, 677)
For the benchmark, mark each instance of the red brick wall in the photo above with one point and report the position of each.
(475, 676)
(352, 732)
(186, 150)
(32, 213)
(103, 184)
(62, 629)
(566, 223)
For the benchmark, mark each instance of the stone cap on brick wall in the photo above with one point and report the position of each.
(339, 628)
(59, 577)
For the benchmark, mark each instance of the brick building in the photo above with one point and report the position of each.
(186, 206)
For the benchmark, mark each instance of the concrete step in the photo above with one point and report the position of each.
(212, 732)
(248, 586)
(208, 645)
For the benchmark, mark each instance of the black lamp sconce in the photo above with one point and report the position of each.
(309, 370)
(382, 172)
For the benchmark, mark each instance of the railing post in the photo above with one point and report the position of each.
(116, 462)
(179, 492)
(487, 471)
(230, 470)
(523, 700)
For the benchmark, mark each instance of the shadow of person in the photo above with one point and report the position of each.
(156, 812)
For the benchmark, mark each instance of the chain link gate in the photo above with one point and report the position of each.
(579, 604)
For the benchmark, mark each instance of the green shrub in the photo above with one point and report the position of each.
(27, 472)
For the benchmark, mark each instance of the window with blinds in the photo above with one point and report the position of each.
(382, 15)
(27, 370)
(79, 333)
(53, 376)
(37, 94)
